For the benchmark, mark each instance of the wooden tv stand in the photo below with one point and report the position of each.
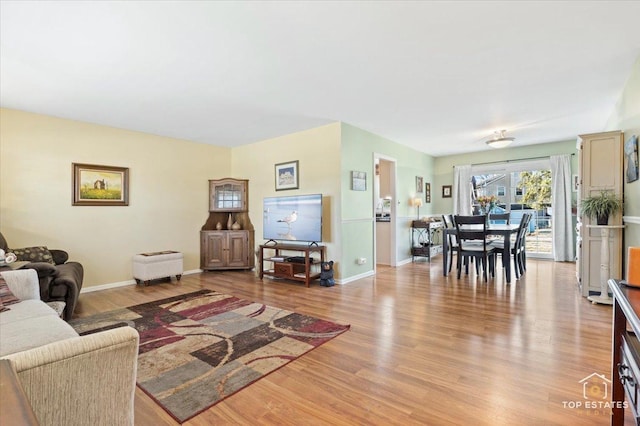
(291, 270)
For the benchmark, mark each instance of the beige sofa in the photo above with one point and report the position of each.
(68, 379)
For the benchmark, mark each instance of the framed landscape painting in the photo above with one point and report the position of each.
(95, 185)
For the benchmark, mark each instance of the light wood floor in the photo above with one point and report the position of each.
(422, 349)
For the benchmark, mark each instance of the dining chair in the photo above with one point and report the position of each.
(448, 222)
(499, 218)
(517, 251)
(472, 244)
(523, 243)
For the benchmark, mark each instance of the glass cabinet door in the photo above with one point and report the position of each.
(228, 196)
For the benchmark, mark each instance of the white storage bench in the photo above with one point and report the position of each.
(160, 264)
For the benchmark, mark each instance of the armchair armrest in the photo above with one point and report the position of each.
(66, 383)
(66, 286)
(59, 256)
(43, 269)
(23, 283)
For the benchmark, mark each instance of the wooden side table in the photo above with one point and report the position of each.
(605, 267)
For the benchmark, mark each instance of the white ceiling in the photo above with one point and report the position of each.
(437, 76)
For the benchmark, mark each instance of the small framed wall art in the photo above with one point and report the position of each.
(95, 185)
(446, 191)
(358, 181)
(287, 175)
(631, 158)
(427, 192)
(419, 184)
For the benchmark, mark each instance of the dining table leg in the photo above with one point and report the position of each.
(507, 255)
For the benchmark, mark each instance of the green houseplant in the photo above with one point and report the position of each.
(601, 206)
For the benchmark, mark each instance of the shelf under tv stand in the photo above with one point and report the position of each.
(290, 270)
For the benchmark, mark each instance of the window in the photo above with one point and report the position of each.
(521, 187)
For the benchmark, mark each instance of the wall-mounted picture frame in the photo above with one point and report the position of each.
(631, 158)
(446, 191)
(419, 184)
(427, 192)
(287, 175)
(358, 181)
(95, 185)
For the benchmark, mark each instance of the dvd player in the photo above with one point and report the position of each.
(296, 259)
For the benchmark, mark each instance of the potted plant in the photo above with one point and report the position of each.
(601, 206)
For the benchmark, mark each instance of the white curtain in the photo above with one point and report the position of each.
(563, 244)
(462, 190)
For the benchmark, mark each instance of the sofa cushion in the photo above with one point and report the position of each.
(26, 309)
(29, 324)
(34, 254)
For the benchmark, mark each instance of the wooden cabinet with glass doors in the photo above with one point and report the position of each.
(227, 238)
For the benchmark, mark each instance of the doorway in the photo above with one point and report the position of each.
(384, 203)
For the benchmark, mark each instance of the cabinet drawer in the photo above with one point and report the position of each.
(283, 269)
(629, 370)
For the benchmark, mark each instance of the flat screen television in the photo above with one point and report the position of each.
(293, 218)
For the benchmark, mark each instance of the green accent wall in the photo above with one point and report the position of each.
(358, 148)
(626, 117)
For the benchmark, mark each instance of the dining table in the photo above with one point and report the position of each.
(499, 229)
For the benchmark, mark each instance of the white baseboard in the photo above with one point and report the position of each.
(355, 277)
(404, 262)
(125, 283)
(197, 271)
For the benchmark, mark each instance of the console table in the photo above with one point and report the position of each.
(422, 236)
(625, 368)
(284, 268)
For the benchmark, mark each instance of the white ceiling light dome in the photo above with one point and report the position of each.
(500, 140)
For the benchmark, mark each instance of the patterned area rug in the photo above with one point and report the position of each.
(198, 348)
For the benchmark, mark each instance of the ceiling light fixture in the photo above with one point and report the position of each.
(500, 140)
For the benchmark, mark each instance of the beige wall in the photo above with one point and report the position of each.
(318, 153)
(168, 192)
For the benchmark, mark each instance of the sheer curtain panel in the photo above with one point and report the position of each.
(462, 190)
(563, 248)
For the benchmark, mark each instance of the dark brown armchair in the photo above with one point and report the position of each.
(59, 280)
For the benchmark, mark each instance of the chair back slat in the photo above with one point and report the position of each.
(522, 230)
(500, 218)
